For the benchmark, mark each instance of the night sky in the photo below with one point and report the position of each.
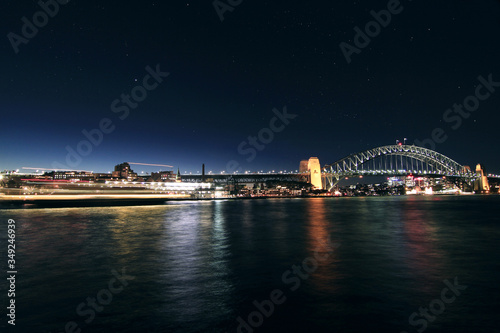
(226, 77)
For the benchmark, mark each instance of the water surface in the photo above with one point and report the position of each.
(361, 265)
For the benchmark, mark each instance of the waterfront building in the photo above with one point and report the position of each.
(163, 176)
(123, 171)
(72, 175)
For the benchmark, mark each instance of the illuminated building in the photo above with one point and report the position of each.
(123, 171)
(73, 175)
(163, 176)
(394, 181)
(410, 181)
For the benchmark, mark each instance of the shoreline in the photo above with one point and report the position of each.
(106, 200)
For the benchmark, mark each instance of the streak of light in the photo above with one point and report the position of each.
(160, 165)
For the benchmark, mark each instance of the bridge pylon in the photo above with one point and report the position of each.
(481, 184)
(312, 169)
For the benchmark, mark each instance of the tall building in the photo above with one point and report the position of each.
(123, 171)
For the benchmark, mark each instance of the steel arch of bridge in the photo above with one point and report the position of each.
(350, 165)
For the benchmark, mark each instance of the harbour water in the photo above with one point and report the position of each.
(273, 265)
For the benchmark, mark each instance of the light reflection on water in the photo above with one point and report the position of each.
(200, 265)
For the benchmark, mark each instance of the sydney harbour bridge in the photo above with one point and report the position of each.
(391, 160)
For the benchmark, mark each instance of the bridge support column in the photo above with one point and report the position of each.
(481, 184)
(331, 181)
(315, 172)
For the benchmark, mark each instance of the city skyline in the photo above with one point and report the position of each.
(200, 88)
